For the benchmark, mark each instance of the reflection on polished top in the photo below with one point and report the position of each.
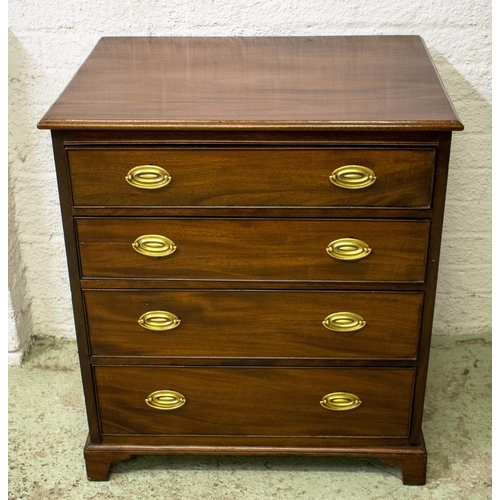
(334, 83)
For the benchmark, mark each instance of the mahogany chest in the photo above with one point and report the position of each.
(253, 229)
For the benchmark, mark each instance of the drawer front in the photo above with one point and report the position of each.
(252, 177)
(253, 323)
(254, 401)
(243, 249)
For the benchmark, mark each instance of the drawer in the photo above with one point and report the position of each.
(253, 323)
(254, 401)
(253, 249)
(211, 177)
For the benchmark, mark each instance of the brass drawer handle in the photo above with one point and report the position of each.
(340, 401)
(154, 245)
(348, 249)
(148, 177)
(165, 400)
(344, 322)
(159, 320)
(353, 177)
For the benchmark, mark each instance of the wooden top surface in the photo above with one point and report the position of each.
(282, 83)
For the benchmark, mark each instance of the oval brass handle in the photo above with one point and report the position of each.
(340, 401)
(348, 249)
(154, 245)
(344, 322)
(159, 320)
(165, 400)
(353, 177)
(148, 177)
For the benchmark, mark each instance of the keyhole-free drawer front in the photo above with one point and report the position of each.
(254, 249)
(215, 177)
(256, 401)
(263, 324)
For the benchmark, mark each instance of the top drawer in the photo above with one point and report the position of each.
(252, 177)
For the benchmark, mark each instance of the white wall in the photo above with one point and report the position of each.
(49, 39)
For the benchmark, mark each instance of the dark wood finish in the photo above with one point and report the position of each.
(413, 467)
(76, 295)
(203, 284)
(253, 249)
(256, 212)
(250, 445)
(98, 470)
(255, 401)
(98, 462)
(411, 460)
(139, 138)
(253, 324)
(357, 83)
(431, 281)
(230, 118)
(252, 177)
(255, 361)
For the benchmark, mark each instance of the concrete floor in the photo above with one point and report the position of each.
(47, 430)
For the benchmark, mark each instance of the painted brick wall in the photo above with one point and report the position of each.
(49, 39)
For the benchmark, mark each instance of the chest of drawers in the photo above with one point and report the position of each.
(253, 230)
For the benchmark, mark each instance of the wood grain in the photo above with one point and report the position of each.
(356, 83)
(253, 324)
(255, 401)
(250, 129)
(293, 177)
(242, 249)
(411, 460)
